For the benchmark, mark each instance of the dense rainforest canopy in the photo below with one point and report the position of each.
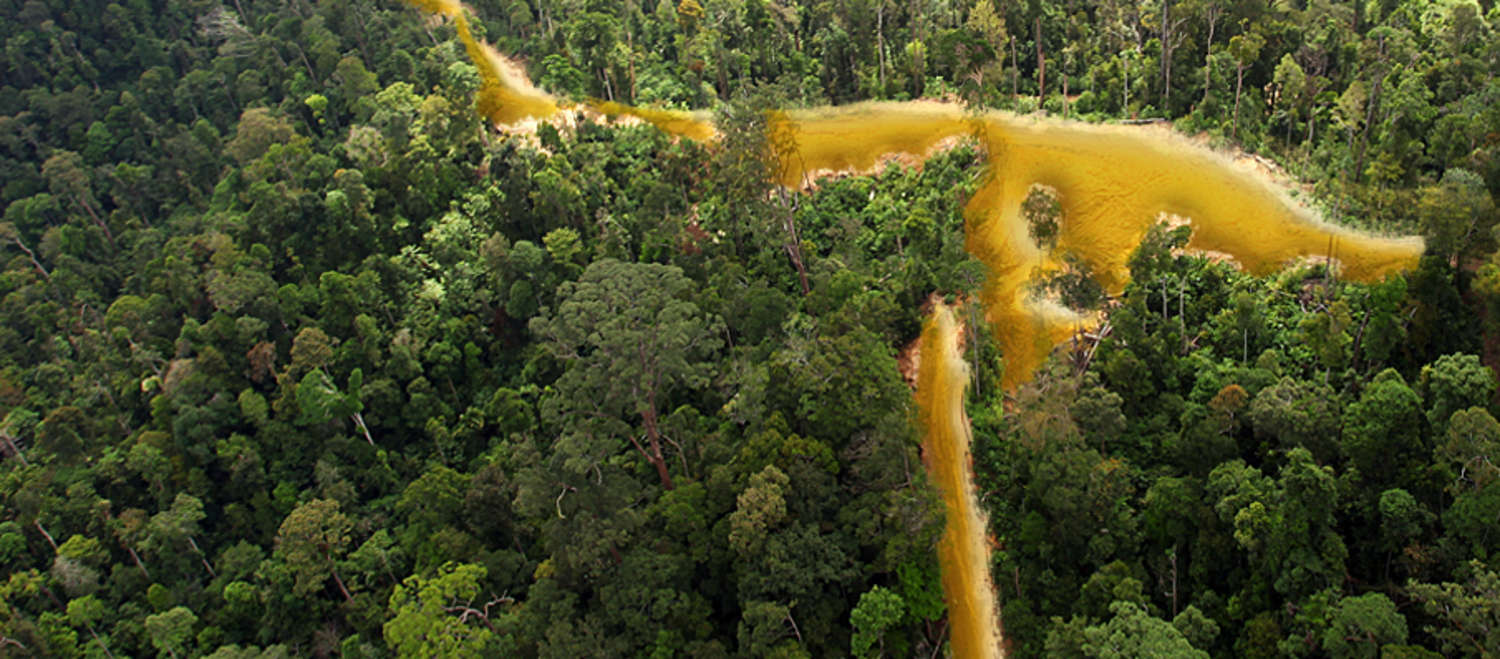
(298, 357)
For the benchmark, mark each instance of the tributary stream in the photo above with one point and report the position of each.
(1113, 182)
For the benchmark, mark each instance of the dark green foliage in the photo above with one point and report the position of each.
(298, 358)
(1254, 485)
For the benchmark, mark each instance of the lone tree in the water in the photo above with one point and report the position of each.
(628, 335)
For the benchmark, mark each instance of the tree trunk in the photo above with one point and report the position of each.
(1208, 54)
(1174, 581)
(10, 442)
(339, 581)
(38, 524)
(204, 558)
(1239, 81)
(1065, 92)
(880, 42)
(100, 641)
(1364, 133)
(311, 73)
(136, 558)
(630, 66)
(359, 34)
(653, 436)
(1181, 311)
(722, 69)
(1015, 72)
(32, 255)
(1041, 63)
(1348, 175)
(89, 208)
(794, 241)
(359, 420)
(1166, 57)
(1311, 121)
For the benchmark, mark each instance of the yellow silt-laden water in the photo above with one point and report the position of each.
(963, 552)
(1114, 183)
(505, 95)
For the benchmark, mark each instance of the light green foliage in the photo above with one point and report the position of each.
(761, 508)
(168, 531)
(318, 103)
(922, 589)
(1199, 629)
(1043, 212)
(1457, 214)
(310, 538)
(1132, 632)
(257, 130)
(1470, 520)
(320, 401)
(878, 610)
(563, 245)
(76, 565)
(83, 549)
(424, 623)
(1286, 526)
(764, 630)
(1291, 83)
(219, 219)
(1327, 334)
(1453, 383)
(312, 349)
(1112, 583)
(252, 652)
(12, 543)
(1468, 452)
(171, 631)
(1385, 331)
(253, 406)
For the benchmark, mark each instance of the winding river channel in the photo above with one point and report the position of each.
(1113, 182)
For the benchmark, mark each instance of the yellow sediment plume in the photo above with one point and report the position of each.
(1113, 184)
(506, 95)
(693, 125)
(856, 138)
(942, 375)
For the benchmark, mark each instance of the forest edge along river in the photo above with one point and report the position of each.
(1113, 185)
(963, 552)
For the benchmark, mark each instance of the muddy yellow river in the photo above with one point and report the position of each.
(942, 375)
(1114, 183)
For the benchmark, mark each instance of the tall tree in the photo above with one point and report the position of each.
(629, 337)
(1246, 49)
(310, 539)
(68, 177)
(442, 616)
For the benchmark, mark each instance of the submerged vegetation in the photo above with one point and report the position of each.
(300, 357)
